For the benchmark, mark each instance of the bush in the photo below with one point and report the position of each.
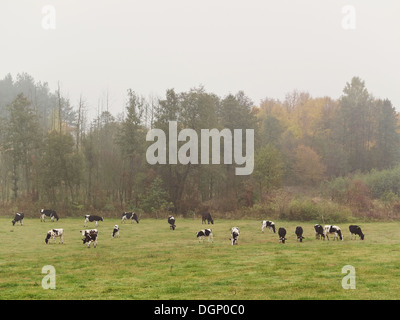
(323, 211)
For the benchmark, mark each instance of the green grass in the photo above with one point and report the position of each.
(149, 261)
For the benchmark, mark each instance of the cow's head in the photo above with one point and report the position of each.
(46, 240)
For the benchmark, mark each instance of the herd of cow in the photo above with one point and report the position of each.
(320, 232)
(90, 235)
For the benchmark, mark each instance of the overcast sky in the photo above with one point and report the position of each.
(265, 48)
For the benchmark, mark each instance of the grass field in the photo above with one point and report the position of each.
(150, 261)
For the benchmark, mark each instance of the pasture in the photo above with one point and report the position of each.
(150, 261)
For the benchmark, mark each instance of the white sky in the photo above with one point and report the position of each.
(264, 47)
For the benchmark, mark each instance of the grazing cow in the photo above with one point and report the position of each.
(18, 218)
(90, 236)
(356, 230)
(234, 235)
(206, 233)
(92, 218)
(115, 232)
(171, 221)
(129, 216)
(319, 232)
(299, 233)
(206, 216)
(268, 224)
(282, 234)
(53, 233)
(48, 213)
(335, 230)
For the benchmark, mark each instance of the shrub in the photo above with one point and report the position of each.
(323, 211)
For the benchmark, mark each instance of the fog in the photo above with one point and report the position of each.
(265, 48)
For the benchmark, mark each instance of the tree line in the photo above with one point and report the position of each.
(53, 155)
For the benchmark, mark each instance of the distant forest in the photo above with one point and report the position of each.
(344, 151)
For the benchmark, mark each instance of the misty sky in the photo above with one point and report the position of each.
(265, 48)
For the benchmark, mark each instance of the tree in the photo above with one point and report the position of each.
(355, 127)
(155, 198)
(20, 140)
(60, 167)
(268, 168)
(309, 168)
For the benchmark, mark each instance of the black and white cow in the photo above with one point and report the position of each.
(335, 230)
(234, 235)
(53, 233)
(206, 233)
(356, 230)
(48, 213)
(299, 233)
(115, 232)
(129, 216)
(92, 218)
(206, 216)
(90, 236)
(171, 221)
(268, 224)
(282, 234)
(319, 232)
(19, 216)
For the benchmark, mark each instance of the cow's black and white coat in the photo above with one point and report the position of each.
(171, 221)
(115, 232)
(206, 216)
(299, 233)
(282, 234)
(130, 216)
(19, 217)
(48, 213)
(356, 230)
(90, 236)
(268, 224)
(319, 231)
(234, 235)
(53, 233)
(91, 218)
(335, 230)
(206, 233)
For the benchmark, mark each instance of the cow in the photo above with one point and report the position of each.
(299, 233)
(115, 232)
(171, 221)
(129, 216)
(206, 216)
(356, 230)
(53, 233)
(335, 230)
(48, 213)
(319, 232)
(234, 235)
(206, 233)
(282, 234)
(90, 236)
(19, 216)
(268, 224)
(92, 218)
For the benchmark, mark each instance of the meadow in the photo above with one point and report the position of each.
(150, 261)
